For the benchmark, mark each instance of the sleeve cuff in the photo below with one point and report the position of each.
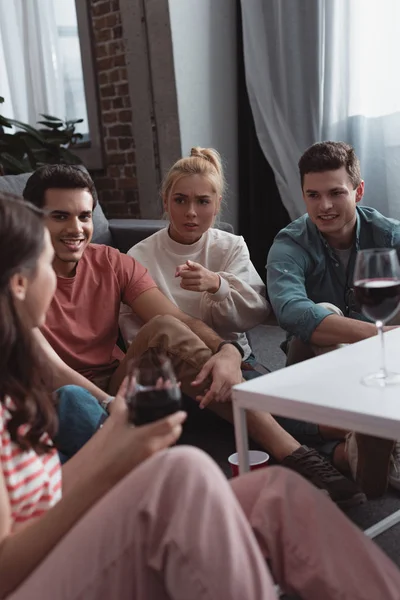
(310, 320)
(223, 291)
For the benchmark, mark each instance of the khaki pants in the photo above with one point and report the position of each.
(187, 352)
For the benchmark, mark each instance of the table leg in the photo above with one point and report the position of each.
(383, 525)
(241, 437)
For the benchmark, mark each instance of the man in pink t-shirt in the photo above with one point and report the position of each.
(82, 323)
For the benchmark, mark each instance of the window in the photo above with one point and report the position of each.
(46, 66)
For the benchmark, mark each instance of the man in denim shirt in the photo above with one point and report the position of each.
(312, 261)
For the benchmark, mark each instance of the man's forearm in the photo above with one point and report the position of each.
(58, 373)
(335, 329)
(67, 376)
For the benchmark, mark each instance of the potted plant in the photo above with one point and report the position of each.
(27, 148)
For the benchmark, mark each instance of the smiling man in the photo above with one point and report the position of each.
(310, 272)
(93, 279)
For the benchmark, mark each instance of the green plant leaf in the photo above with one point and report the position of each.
(50, 118)
(27, 128)
(12, 164)
(51, 124)
(69, 157)
(4, 122)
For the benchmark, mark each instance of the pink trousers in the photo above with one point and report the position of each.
(173, 529)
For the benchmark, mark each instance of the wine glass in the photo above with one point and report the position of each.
(377, 290)
(153, 391)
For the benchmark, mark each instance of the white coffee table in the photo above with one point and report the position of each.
(327, 390)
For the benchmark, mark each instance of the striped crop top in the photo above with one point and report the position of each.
(33, 482)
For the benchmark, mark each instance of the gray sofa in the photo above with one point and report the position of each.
(119, 233)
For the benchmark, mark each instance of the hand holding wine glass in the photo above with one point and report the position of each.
(153, 392)
(377, 290)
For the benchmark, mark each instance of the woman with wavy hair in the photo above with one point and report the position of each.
(127, 518)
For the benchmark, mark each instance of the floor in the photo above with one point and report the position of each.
(216, 438)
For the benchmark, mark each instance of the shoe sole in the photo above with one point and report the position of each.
(373, 464)
(355, 500)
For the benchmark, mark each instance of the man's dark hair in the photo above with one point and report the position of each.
(330, 156)
(62, 177)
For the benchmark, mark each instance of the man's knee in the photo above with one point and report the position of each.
(72, 396)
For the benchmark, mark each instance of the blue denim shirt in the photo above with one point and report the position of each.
(303, 270)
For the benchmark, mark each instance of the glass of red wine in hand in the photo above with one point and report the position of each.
(153, 392)
(377, 290)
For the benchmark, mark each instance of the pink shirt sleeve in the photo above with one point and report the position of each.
(133, 277)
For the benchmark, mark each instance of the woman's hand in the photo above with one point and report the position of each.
(196, 278)
(124, 446)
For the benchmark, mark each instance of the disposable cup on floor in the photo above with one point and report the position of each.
(257, 460)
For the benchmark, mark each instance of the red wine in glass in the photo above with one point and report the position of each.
(152, 404)
(377, 290)
(379, 298)
(153, 392)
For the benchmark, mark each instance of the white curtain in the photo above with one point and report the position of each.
(31, 78)
(326, 69)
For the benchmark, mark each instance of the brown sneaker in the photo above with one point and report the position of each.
(324, 476)
(369, 461)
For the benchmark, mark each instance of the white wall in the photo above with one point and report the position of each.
(204, 46)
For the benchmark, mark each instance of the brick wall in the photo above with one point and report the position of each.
(116, 183)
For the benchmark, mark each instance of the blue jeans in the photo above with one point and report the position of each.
(80, 416)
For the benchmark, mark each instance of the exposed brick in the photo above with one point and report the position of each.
(105, 104)
(116, 183)
(101, 23)
(103, 35)
(127, 184)
(114, 171)
(129, 171)
(118, 103)
(107, 91)
(131, 195)
(125, 143)
(117, 158)
(115, 75)
(105, 64)
(112, 143)
(117, 47)
(122, 90)
(102, 50)
(119, 60)
(110, 118)
(117, 32)
(101, 8)
(106, 183)
(103, 78)
(120, 131)
(129, 158)
(112, 20)
(125, 116)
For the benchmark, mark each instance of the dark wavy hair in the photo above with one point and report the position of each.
(330, 156)
(62, 177)
(21, 373)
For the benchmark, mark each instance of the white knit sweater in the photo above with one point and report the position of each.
(236, 307)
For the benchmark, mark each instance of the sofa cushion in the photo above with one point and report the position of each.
(15, 184)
